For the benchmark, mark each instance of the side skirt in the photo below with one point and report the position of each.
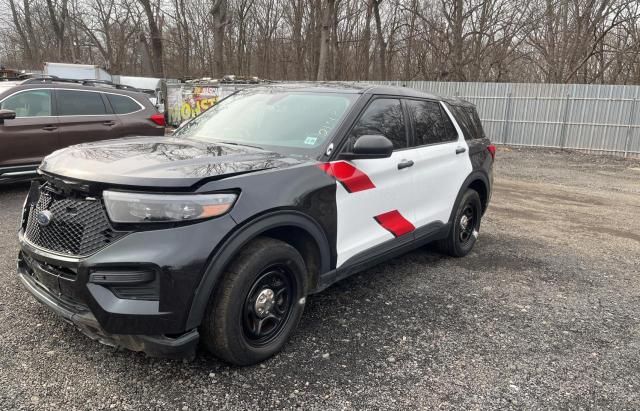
(383, 252)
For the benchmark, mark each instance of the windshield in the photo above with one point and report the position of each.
(287, 122)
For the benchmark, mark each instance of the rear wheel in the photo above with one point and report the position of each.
(258, 304)
(463, 232)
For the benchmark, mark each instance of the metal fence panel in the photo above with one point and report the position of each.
(595, 118)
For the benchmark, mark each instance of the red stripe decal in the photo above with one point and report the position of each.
(395, 223)
(351, 178)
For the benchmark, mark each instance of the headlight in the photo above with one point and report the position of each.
(149, 208)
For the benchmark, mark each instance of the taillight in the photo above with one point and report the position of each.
(492, 150)
(158, 118)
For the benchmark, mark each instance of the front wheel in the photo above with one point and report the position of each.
(258, 304)
(463, 232)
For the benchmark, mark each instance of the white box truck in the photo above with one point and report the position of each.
(76, 71)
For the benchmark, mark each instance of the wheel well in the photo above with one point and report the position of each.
(304, 243)
(481, 189)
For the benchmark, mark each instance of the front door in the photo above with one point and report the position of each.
(33, 134)
(371, 194)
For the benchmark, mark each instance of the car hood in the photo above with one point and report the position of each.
(159, 162)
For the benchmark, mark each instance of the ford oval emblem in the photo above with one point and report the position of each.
(44, 218)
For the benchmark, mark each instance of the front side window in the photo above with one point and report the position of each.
(80, 103)
(122, 104)
(290, 122)
(383, 116)
(431, 125)
(32, 103)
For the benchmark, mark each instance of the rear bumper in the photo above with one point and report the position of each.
(183, 346)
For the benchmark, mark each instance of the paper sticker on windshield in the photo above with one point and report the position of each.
(310, 140)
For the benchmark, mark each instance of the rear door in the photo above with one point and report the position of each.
(33, 133)
(84, 116)
(442, 161)
(133, 116)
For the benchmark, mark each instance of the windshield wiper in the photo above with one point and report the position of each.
(240, 144)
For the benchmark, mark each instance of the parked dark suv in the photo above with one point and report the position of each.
(220, 232)
(38, 116)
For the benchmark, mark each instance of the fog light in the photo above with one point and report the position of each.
(129, 284)
(121, 277)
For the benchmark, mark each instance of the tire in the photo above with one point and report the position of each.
(460, 240)
(233, 329)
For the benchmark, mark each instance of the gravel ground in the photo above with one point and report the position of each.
(544, 313)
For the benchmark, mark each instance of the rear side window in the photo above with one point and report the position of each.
(469, 121)
(80, 103)
(383, 116)
(32, 103)
(123, 104)
(431, 124)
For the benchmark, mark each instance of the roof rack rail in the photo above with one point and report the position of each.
(108, 83)
(85, 82)
(45, 78)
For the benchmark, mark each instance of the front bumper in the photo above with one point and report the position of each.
(183, 346)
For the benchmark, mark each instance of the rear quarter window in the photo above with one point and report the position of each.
(123, 104)
(469, 121)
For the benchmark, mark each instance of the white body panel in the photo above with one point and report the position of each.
(357, 229)
(423, 193)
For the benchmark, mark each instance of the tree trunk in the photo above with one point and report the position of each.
(366, 46)
(382, 45)
(219, 15)
(323, 58)
(298, 15)
(156, 39)
(58, 23)
(145, 56)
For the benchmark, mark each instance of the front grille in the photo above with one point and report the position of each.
(78, 227)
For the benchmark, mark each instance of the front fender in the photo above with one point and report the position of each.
(225, 253)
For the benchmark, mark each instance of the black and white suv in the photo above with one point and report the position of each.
(219, 232)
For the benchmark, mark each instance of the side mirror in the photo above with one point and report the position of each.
(370, 146)
(6, 115)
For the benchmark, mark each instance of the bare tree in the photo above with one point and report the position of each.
(154, 21)
(459, 40)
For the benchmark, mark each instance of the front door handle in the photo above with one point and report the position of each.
(460, 150)
(109, 123)
(50, 128)
(405, 164)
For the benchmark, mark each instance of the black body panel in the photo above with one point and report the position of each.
(183, 256)
(158, 162)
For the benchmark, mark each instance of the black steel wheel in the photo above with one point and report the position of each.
(258, 303)
(467, 223)
(268, 305)
(464, 227)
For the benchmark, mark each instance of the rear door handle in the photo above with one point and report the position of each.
(460, 150)
(109, 123)
(50, 128)
(405, 164)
